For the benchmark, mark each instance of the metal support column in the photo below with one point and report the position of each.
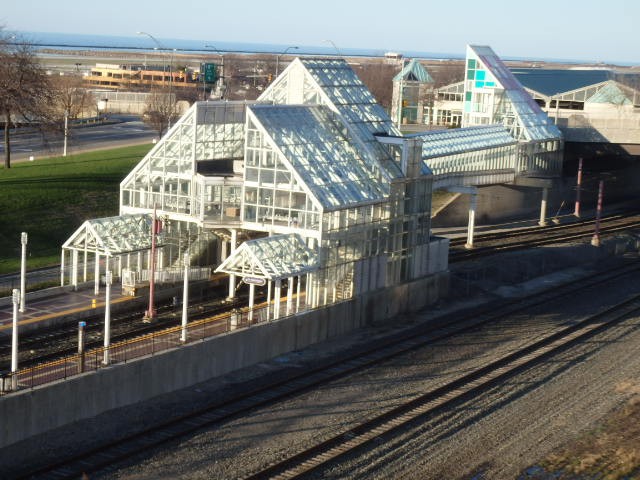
(298, 293)
(24, 238)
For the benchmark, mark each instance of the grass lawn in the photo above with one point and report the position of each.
(49, 199)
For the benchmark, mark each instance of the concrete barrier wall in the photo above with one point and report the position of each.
(31, 412)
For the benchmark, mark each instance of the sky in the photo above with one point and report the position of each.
(581, 30)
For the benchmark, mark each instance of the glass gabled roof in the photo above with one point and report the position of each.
(439, 143)
(113, 235)
(612, 93)
(271, 258)
(534, 122)
(414, 71)
(318, 147)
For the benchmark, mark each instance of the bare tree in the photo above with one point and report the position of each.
(71, 95)
(161, 110)
(26, 95)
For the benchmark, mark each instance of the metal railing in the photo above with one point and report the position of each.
(151, 344)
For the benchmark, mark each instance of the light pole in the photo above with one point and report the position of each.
(24, 238)
(159, 47)
(221, 59)
(185, 297)
(334, 46)
(14, 340)
(107, 313)
(278, 58)
(66, 132)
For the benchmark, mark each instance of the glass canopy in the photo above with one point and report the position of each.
(314, 141)
(438, 143)
(413, 72)
(113, 236)
(271, 258)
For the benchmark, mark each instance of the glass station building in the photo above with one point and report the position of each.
(316, 181)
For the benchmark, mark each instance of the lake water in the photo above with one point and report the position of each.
(69, 41)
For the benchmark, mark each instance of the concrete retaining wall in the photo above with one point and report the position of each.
(31, 412)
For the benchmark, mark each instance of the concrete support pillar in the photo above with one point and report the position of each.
(278, 294)
(96, 287)
(473, 205)
(232, 278)
(543, 207)
(223, 251)
(74, 269)
(139, 265)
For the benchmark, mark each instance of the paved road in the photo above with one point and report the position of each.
(126, 130)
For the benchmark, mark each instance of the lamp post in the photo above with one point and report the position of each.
(24, 238)
(185, 298)
(159, 47)
(14, 340)
(208, 45)
(107, 314)
(334, 46)
(66, 132)
(278, 58)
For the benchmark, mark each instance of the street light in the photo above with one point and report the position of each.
(334, 46)
(158, 46)
(278, 58)
(221, 59)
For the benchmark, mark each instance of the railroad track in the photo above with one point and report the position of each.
(380, 351)
(458, 390)
(512, 241)
(538, 230)
(61, 341)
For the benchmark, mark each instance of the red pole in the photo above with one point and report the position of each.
(595, 241)
(150, 314)
(578, 184)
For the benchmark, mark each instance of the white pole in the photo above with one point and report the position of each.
(185, 298)
(66, 132)
(298, 293)
(232, 277)
(289, 295)
(543, 207)
(252, 291)
(96, 269)
(74, 266)
(268, 298)
(62, 268)
(14, 340)
(276, 299)
(473, 203)
(24, 238)
(107, 315)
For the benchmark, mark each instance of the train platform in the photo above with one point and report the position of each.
(59, 305)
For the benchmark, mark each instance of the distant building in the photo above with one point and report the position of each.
(587, 105)
(138, 76)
